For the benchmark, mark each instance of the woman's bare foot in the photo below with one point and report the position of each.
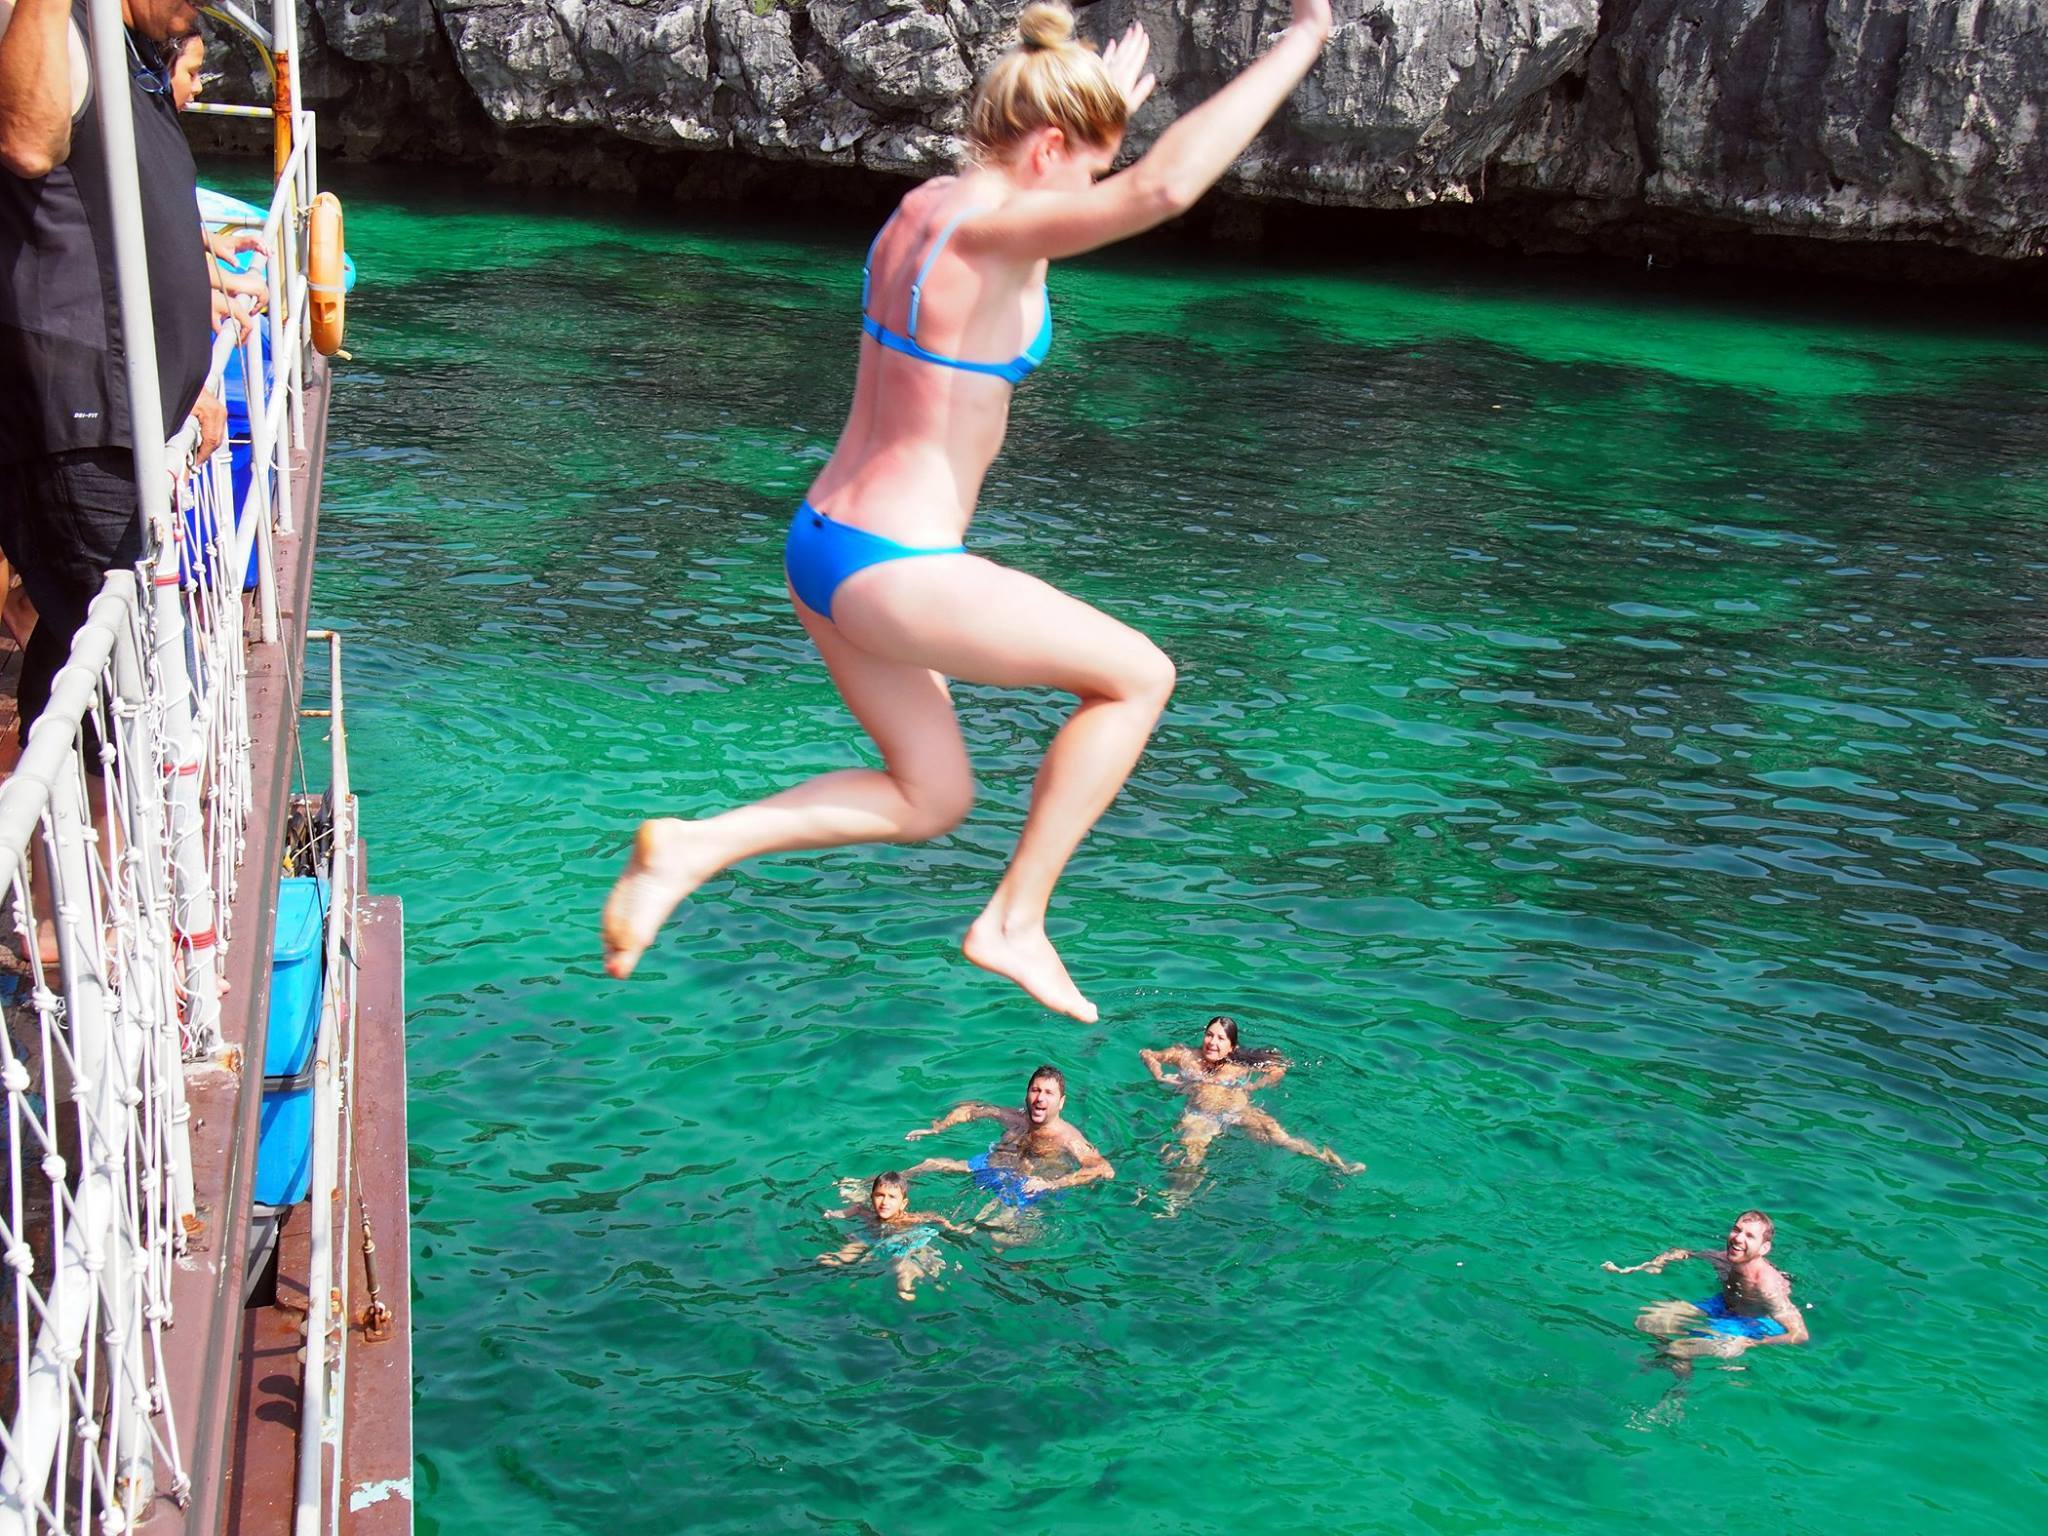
(667, 865)
(1026, 956)
(1339, 1164)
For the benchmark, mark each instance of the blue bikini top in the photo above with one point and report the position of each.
(1016, 370)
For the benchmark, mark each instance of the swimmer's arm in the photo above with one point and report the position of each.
(1173, 1056)
(1091, 1166)
(1669, 1256)
(1269, 1074)
(960, 1114)
(932, 1219)
(1785, 1314)
(939, 1165)
(1167, 180)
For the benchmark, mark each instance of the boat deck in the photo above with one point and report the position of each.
(234, 1373)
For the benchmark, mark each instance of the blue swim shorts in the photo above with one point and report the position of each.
(1006, 1184)
(1720, 1320)
(902, 1244)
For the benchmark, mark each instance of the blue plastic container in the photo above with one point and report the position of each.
(235, 395)
(296, 956)
(284, 1148)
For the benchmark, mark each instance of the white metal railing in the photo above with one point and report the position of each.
(117, 890)
(318, 1499)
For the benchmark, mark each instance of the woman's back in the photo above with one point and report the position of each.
(931, 399)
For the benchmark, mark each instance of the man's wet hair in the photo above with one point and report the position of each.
(1770, 1227)
(1048, 1070)
(889, 1180)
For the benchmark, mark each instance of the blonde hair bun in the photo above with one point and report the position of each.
(1045, 25)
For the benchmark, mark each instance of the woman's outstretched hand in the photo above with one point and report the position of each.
(1125, 60)
(1313, 15)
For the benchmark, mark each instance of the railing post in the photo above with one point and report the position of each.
(141, 751)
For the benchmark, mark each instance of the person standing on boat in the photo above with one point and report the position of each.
(68, 511)
(955, 315)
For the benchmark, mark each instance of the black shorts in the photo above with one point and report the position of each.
(65, 521)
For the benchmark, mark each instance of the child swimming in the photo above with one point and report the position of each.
(900, 1236)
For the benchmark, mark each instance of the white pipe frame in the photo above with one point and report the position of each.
(323, 1389)
(120, 1038)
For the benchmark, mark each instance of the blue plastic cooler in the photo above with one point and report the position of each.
(284, 1153)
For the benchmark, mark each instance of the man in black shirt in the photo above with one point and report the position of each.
(68, 510)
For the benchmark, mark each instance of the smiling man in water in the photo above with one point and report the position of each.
(1037, 1154)
(1754, 1305)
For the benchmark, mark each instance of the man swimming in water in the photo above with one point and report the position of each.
(895, 1233)
(1754, 1305)
(1037, 1154)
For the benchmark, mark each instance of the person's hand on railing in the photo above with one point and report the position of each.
(212, 417)
(233, 307)
(226, 244)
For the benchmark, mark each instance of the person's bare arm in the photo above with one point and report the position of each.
(938, 1165)
(1783, 1311)
(1656, 1265)
(1089, 1166)
(933, 1219)
(1184, 163)
(960, 1114)
(1174, 1056)
(845, 1253)
(36, 88)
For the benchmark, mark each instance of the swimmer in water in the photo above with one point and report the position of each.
(1754, 1305)
(1038, 1154)
(954, 315)
(1219, 1079)
(902, 1237)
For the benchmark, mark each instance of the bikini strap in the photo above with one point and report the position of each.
(867, 267)
(938, 245)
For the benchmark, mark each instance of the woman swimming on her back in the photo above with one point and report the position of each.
(1218, 1080)
(955, 313)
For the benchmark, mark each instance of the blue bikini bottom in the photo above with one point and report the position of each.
(1736, 1324)
(821, 553)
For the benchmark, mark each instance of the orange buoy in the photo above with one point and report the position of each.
(323, 273)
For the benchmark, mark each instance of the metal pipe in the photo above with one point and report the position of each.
(131, 266)
(47, 778)
(319, 1422)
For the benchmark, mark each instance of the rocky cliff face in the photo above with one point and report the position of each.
(1552, 121)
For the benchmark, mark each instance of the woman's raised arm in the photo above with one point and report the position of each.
(1174, 172)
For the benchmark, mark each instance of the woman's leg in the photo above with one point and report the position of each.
(1196, 1132)
(1261, 1126)
(979, 622)
(924, 788)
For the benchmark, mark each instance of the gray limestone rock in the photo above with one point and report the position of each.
(1863, 120)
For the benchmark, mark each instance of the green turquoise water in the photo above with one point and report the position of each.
(1609, 758)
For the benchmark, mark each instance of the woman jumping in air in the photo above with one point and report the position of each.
(955, 315)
